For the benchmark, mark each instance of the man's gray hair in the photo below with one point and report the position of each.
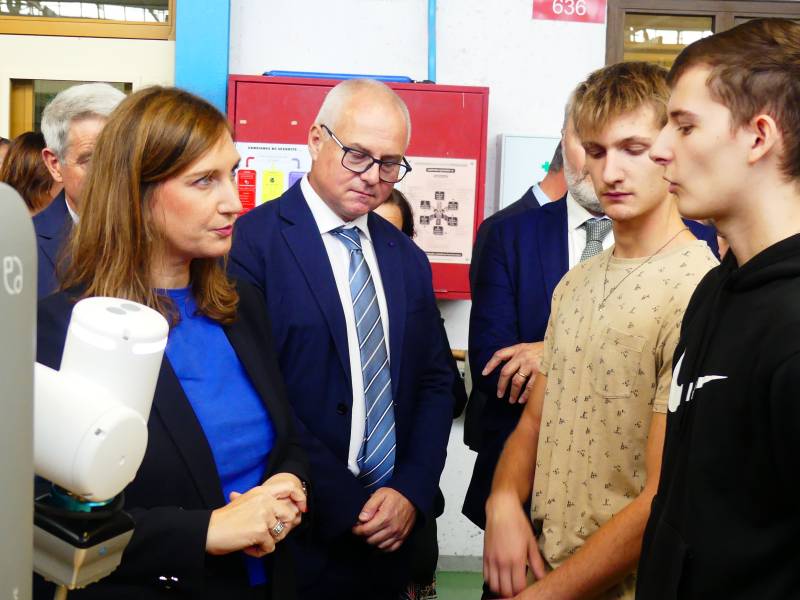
(337, 98)
(568, 109)
(85, 101)
(557, 162)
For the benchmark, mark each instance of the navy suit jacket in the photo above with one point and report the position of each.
(178, 485)
(52, 227)
(278, 247)
(526, 202)
(524, 258)
(473, 419)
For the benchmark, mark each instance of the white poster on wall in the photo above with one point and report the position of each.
(442, 196)
(267, 170)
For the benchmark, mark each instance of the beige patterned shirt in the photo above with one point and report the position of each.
(608, 367)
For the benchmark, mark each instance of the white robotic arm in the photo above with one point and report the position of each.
(90, 417)
(90, 436)
(88, 422)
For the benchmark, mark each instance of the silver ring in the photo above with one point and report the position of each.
(278, 529)
(521, 374)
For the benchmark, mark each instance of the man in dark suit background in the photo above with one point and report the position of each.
(552, 187)
(341, 282)
(71, 123)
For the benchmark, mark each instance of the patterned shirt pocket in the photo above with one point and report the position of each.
(617, 356)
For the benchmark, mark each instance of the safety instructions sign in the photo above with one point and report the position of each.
(442, 196)
(267, 170)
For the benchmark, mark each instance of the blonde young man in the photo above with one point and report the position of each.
(589, 441)
(726, 521)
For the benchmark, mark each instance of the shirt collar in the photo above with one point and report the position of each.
(539, 194)
(576, 214)
(325, 218)
(73, 215)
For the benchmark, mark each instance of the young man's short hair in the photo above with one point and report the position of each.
(617, 90)
(755, 67)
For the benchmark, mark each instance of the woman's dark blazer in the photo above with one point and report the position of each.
(177, 486)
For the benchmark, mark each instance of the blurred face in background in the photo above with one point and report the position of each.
(391, 212)
(71, 169)
(579, 183)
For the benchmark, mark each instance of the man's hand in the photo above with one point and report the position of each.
(386, 519)
(523, 362)
(508, 546)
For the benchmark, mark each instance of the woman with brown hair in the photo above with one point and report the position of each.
(221, 483)
(4, 144)
(25, 171)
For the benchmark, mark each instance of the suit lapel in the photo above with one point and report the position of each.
(390, 264)
(53, 227)
(552, 239)
(173, 407)
(50, 248)
(305, 242)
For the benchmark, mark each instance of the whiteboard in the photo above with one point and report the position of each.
(523, 160)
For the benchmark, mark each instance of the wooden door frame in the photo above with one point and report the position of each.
(723, 13)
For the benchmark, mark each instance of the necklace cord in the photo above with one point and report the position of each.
(632, 271)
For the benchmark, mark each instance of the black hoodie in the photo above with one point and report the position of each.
(726, 520)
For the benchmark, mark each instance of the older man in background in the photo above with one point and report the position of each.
(71, 123)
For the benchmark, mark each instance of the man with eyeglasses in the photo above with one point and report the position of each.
(360, 346)
(71, 123)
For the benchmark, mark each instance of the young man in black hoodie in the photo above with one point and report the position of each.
(726, 519)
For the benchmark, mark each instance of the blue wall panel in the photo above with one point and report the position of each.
(202, 32)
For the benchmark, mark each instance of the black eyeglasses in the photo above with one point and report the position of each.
(360, 162)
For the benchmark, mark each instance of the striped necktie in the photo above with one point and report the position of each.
(376, 458)
(596, 231)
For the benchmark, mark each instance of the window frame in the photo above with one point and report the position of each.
(95, 28)
(722, 13)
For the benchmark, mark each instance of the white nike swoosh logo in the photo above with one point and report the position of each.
(676, 390)
(708, 378)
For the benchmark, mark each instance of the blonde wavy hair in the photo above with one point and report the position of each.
(616, 90)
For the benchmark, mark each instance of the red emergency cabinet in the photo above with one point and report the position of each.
(448, 122)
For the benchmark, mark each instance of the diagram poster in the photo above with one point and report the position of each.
(267, 170)
(442, 196)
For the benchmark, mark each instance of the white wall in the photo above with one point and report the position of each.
(530, 67)
(141, 62)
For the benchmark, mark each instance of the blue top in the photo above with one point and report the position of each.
(234, 419)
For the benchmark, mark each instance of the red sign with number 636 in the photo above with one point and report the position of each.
(585, 11)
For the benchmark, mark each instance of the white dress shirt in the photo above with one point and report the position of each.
(539, 194)
(339, 257)
(73, 215)
(576, 238)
